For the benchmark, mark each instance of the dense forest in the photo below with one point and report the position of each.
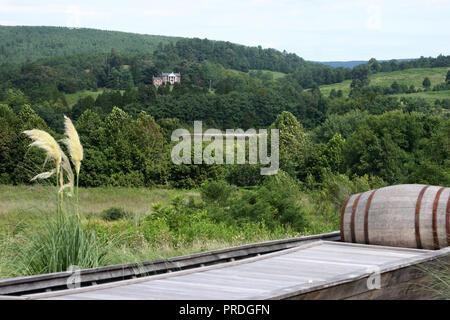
(21, 43)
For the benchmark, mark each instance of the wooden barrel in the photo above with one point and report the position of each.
(408, 215)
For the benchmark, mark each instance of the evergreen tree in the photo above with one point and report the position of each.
(426, 83)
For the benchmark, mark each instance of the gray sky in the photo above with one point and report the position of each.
(321, 30)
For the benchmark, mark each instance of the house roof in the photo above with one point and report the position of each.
(171, 74)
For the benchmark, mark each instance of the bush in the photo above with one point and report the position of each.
(337, 187)
(216, 191)
(244, 175)
(283, 193)
(156, 231)
(114, 213)
(275, 204)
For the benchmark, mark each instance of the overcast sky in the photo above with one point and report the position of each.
(320, 30)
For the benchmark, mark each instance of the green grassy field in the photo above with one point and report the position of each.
(73, 98)
(408, 77)
(275, 74)
(138, 236)
(40, 198)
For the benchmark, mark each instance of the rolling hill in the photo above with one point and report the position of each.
(21, 43)
(408, 77)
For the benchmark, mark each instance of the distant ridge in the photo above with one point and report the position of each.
(353, 63)
(29, 43)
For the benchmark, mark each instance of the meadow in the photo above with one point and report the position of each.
(429, 96)
(407, 77)
(137, 224)
(275, 75)
(73, 98)
(28, 202)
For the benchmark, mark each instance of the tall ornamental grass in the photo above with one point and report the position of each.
(63, 241)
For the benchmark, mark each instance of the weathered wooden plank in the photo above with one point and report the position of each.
(306, 267)
(346, 257)
(368, 253)
(138, 292)
(213, 287)
(11, 298)
(275, 270)
(73, 297)
(244, 280)
(167, 291)
(330, 263)
(262, 276)
(225, 281)
(371, 249)
(374, 247)
(360, 253)
(100, 295)
(157, 292)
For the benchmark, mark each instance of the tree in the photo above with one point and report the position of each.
(150, 144)
(125, 78)
(113, 80)
(447, 78)
(82, 105)
(15, 98)
(146, 94)
(113, 59)
(374, 65)
(224, 86)
(292, 140)
(395, 87)
(8, 131)
(89, 127)
(360, 76)
(426, 83)
(332, 155)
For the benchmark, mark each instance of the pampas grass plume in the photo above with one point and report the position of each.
(73, 144)
(45, 141)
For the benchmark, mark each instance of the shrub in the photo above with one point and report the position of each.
(114, 213)
(282, 192)
(216, 191)
(335, 188)
(244, 175)
(274, 204)
(156, 231)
